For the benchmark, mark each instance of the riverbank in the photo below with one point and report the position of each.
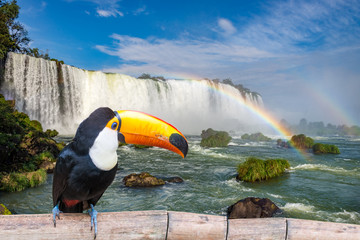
(171, 225)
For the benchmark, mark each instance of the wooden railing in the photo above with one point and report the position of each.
(170, 225)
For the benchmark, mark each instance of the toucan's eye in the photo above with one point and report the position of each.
(114, 125)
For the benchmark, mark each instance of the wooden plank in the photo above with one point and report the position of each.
(299, 229)
(115, 225)
(183, 226)
(170, 225)
(257, 228)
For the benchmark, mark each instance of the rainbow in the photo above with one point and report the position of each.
(264, 115)
(338, 113)
(259, 112)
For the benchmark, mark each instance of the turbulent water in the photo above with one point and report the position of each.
(61, 96)
(319, 187)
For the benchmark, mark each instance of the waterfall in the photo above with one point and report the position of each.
(61, 96)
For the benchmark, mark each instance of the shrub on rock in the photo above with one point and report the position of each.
(301, 141)
(254, 169)
(212, 138)
(258, 137)
(320, 148)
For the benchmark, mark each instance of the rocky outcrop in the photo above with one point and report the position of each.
(24, 149)
(254, 169)
(252, 207)
(143, 179)
(213, 138)
(256, 137)
(173, 180)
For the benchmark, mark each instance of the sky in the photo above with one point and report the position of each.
(303, 57)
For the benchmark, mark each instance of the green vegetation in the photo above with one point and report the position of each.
(212, 138)
(258, 137)
(13, 182)
(254, 169)
(320, 148)
(13, 35)
(4, 210)
(148, 76)
(301, 141)
(23, 148)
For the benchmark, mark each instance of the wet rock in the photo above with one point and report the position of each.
(143, 179)
(252, 207)
(174, 180)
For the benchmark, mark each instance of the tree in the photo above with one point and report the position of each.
(13, 36)
(35, 52)
(228, 81)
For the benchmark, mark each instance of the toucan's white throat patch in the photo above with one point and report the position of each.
(103, 151)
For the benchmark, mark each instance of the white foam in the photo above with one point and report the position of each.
(298, 207)
(275, 195)
(342, 216)
(238, 184)
(323, 167)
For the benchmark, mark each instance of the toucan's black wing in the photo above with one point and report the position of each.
(62, 169)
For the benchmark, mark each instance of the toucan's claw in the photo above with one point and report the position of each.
(56, 212)
(93, 214)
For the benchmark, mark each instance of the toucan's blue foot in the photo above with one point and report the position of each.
(56, 212)
(93, 214)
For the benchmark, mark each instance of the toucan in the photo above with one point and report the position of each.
(86, 167)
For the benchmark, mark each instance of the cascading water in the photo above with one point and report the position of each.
(61, 96)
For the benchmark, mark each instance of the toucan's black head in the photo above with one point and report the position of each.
(90, 128)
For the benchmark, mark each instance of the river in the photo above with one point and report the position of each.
(317, 187)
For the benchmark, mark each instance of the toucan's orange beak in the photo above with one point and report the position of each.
(141, 128)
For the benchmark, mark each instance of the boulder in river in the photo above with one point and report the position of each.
(143, 179)
(252, 207)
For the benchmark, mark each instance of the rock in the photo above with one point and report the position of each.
(174, 180)
(213, 138)
(4, 210)
(257, 137)
(48, 166)
(252, 207)
(143, 179)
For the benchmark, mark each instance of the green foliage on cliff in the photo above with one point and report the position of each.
(258, 137)
(212, 138)
(254, 169)
(23, 148)
(301, 141)
(14, 182)
(320, 148)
